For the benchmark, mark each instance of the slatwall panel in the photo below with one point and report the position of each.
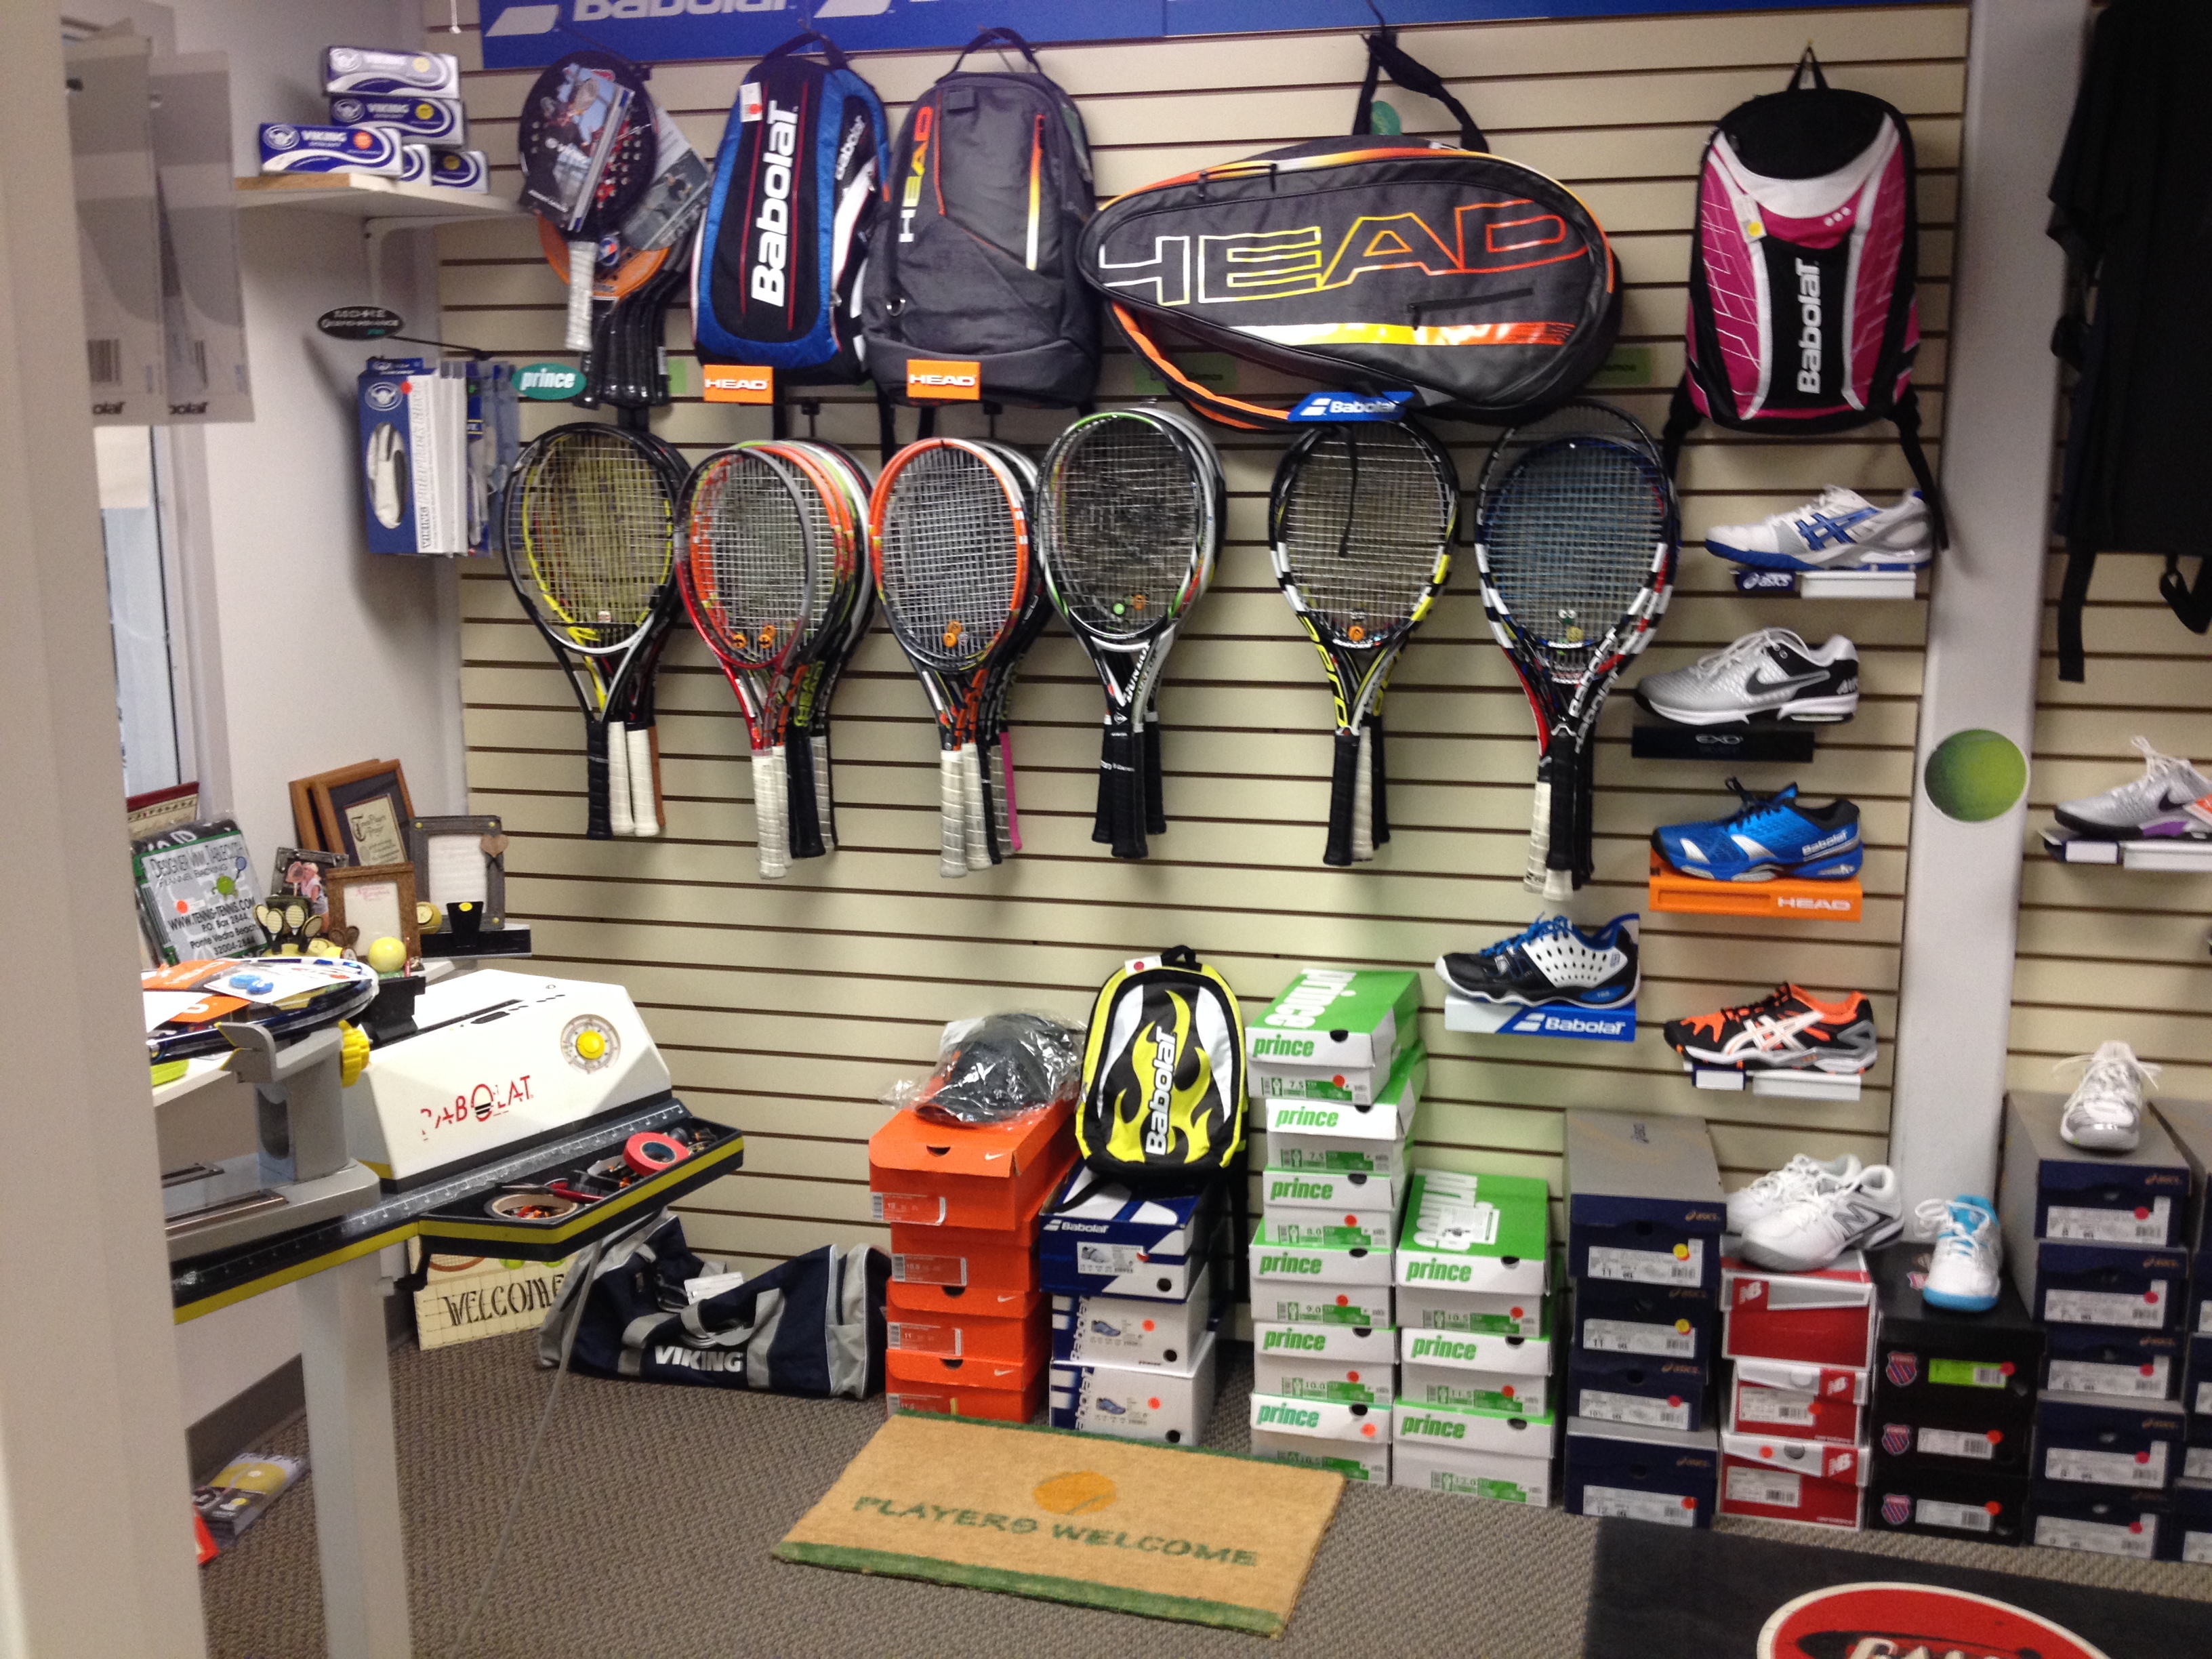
(788, 1008)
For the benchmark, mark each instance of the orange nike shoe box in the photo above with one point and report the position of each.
(985, 1176)
(961, 1335)
(960, 1256)
(966, 1387)
(914, 1297)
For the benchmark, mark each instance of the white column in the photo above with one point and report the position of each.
(1984, 623)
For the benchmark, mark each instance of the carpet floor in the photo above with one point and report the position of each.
(648, 1523)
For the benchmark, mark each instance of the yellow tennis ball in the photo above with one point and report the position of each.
(387, 955)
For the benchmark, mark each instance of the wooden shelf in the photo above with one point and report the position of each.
(362, 196)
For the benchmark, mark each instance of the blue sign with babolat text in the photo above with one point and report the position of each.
(526, 33)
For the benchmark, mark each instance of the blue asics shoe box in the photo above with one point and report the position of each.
(2083, 1444)
(1635, 1389)
(2187, 1535)
(2063, 1194)
(2116, 1284)
(1663, 1476)
(1653, 1321)
(2097, 1360)
(1644, 1204)
(1097, 1238)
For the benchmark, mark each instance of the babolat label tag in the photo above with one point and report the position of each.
(737, 383)
(1352, 406)
(1748, 581)
(549, 383)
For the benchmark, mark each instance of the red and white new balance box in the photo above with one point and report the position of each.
(1779, 1479)
(988, 1175)
(1798, 1402)
(1824, 1318)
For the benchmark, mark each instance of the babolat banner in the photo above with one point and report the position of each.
(529, 33)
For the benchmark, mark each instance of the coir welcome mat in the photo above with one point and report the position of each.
(1170, 1533)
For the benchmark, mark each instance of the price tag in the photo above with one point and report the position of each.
(1778, 1489)
(1666, 1510)
(1602, 1405)
(1959, 1517)
(2197, 1546)
(924, 1339)
(929, 1269)
(2057, 1532)
(909, 1209)
(2104, 1468)
(2145, 1311)
(1774, 1406)
(1966, 1374)
(2146, 1382)
(2145, 1225)
(1630, 1336)
(1647, 1266)
(1955, 1442)
(1107, 1261)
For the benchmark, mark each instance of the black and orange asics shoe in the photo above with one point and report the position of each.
(1789, 1031)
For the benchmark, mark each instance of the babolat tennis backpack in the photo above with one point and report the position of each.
(971, 292)
(775, 274)
(1462, 281)
(1803, 272)
(1162, 1103)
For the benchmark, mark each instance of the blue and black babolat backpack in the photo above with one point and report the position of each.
(776, 275)
(1162, 1107)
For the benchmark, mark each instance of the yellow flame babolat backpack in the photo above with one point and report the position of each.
(1161, 1107)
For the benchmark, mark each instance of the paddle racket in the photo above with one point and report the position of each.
(1129, 522)
(589, 152)
(949, 537)
(1361, 524)
(1575, 538)
(591, 548)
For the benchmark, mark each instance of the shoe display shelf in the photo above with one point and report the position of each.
(1801, 901)
(1787, 743)
(1830, 584)
(1798, 1085)
(2174, 855)
(1616, 1024)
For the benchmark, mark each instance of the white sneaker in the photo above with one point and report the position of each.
(2157, 804)
(1962, 1274)
(1841, 531)
(1809, 1233)
(1770, 675)
(1778, 1188)
(2104, 1112)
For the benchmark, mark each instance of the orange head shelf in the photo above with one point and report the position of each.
(1802, 900)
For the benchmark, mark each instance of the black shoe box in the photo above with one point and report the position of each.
(2107, 1362)
(1643, 1474)
(1658, 1321)
(2102, 1523)
(2117, 1284)
(1946, 1384)
(2130, 1445)
(2196, 1389)
(1636, 1390)
(2187, 1535)
(1975, 1504)
(2190, 1123)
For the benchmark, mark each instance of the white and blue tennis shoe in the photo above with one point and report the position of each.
(1768, 836)
(1841, 531)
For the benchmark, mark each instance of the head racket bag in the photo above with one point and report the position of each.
(971, 290)
(1379, 264)
(1162, 1106)
(1804, 269)
(776, 271)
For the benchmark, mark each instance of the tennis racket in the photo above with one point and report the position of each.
(1577, 536)
(994, 746)
(949, 539)
(747, 578)
(591, 549)
(577, 177)
(1128, 520)
(813, 799)
(634, 726)
(1360, 526)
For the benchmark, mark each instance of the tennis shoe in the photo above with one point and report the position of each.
(1962, 1269)
(1551, 961)
(1779, 1188)
(1788, 1030)
(1766, 836)
(1770, 675)
(1841, 531)
(1810, 1232)
(2167, 799)
(2104, 1112)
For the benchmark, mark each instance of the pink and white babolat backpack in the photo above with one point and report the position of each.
(1802, 271)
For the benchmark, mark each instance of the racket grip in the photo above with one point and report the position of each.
(1102, 825)
(977, 847)
(1379, 806)
(1559, 854)
(596, 824)
(1127, 784)
(1009, 821)
(1155, 804)
(805, 814)
(583, 263)
(1363, 801)
(952, 814)
(768, 826)
(644, 781)
(825, 797)
(620, 819)
(1343, 794)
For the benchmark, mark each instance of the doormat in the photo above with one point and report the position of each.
(1657, 1593)
(1169, 1532)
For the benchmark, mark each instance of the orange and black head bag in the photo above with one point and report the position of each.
(1162, 1103)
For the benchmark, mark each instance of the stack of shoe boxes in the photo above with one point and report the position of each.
(1794, 1437)
(2188, 1123)
(1133, 1308)
(1644, 1213)
(966, 1325)
(2093, 1241)
(1475, 1410)
(1337, 1067)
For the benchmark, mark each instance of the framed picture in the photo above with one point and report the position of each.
(370, 902)
(363, 812)
(297, 872)
(305, 830)
(460, 860)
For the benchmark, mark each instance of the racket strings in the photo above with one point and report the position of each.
(1362, 534)
(598, 533)
(952, 557)
(750, 548)
(1570, 535)
(1124, 526)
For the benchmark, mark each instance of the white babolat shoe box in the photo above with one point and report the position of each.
(1348, 1380)
(1322, 1420)
(1132, 1403)
(1324, 1190)
(1356, 1461)
(1451, 1385)
(1348, 1307)
(1475, 1313)
(1521, 1355)
(1473, 1473)
(1116, 1330)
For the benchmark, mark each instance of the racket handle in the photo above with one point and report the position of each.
(1363, 801)
(825, 797)
(1539, 828)
(952, 814)
(596, 824)
(769, 828)
(1343, 794)
(644, 780)
(1010, 824)
(1379, 806)
(1156, 803)
(1102, 823)
(620, 818)
(805, 817)
(1125, 776)
(583, 264)
(1566, 784)
(978, 845)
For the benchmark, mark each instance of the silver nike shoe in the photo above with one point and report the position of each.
(2157, 804)
(1771, 675)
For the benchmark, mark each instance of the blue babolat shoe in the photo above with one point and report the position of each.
(1768, 836)
(1551, 961)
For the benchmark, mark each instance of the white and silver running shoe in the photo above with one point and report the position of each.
(1777, 1188)
(2156, 803)
(2104, 1112)
(1841, 531)
(1808, 1233)
(1962, 1268)
(1770, 675)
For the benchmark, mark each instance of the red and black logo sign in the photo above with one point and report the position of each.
(1913, 1621)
